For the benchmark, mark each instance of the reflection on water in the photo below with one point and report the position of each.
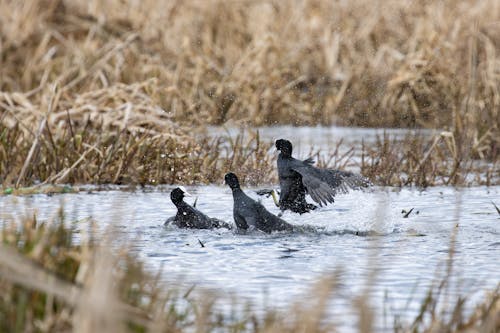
(361, 233)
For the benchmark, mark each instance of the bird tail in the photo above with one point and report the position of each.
(309, 161)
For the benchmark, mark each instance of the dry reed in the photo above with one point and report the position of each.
(149, 74)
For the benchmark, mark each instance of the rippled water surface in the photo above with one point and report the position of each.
(362, 233)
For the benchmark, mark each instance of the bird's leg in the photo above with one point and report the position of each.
(275, 198)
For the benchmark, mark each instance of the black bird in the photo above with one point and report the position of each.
(300, 177)
(250, 214)
(190, 217)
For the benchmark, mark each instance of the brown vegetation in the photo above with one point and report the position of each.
(426, 161)
(120, 92)
(132, 81)
(123, 157)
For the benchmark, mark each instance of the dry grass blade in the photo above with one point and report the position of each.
(31, 152)
(97, 307)
(496, 207)
(125, 72)
(18, 269)
(94, 302)
(83, 287)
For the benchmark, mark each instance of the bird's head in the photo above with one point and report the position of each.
(178, 194)
(284, 146)
(231, 180)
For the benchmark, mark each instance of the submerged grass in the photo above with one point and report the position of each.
(51, 283)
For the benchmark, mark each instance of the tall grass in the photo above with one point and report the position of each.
(388, 63)
(153, 73)
(425, 161)
(85, 155)
(77, 155)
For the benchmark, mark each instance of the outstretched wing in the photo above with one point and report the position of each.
(323, 184)
(319, 190)
(345, 180)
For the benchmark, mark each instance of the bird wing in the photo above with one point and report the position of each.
(323, 184)
(240, 221)
(199, 220)
(270, 222)
(345, 180)
(319, 190)
(170, 220)
(246, 217)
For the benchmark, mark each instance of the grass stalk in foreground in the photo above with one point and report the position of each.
(50, 283)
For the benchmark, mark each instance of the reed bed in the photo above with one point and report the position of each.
(51, 283)
(426, 161)
(122, 157)
(125, 157)
(387, 63)
(132, 81)
(164, 68)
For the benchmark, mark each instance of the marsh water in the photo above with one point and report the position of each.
(363, 238)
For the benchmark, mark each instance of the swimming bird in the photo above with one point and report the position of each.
(300, 177)
(188, 216)
(250, 214)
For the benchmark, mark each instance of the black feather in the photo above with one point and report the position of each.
(300, 177)
(250, 214)
(190, 217)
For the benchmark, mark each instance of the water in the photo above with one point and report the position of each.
(361, 234)
(325, 138)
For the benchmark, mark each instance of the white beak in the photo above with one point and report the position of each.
(186, 193)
